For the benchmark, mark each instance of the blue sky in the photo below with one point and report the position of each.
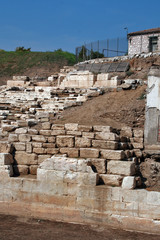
(46, 25)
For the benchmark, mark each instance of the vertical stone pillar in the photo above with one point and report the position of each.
(152, 118)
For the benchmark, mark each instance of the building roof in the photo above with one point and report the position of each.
(147, 31)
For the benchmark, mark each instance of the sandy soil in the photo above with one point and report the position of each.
(19, 228)
(116, 109)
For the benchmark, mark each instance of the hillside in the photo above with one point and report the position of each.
(41, 64)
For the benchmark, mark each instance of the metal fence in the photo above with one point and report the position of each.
(104, 48)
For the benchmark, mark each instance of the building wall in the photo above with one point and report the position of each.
(140, 44)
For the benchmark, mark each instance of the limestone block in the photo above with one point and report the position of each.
(88, 179)
(29, 147)
(21, 169)
(129, 182)
(6, 171)
(38, 138)
(46, 126)
(33, 131)
(52, 151)
(85, 128)
(6, 159)
(12, 138)
(57, 127)
(6, 147)
(113, 155)
(82, 142)
(20, 78)
(45, 132)
(84, 166)
(71, 126)
(41, 158)
(74, 133)
(107, 136)
(136, 140)
(121, 168)
(89, 153)
(50, 176)
(51, 139)
(16, 83)
(102, 128)
(111, 180)
(71, 152)
(20, 146)
(126, 132)
(48, 145)
(23, 158)
(33, 169)
(138, 133)
(153, 198)
(98, 165)
(58, 132)
(8, 128)
(105, 144)
(138, 153)
(89, 135)
(65, 141)
(21, 131)
(138, 145)
(24, 138)
(39, 150)
(37, 144)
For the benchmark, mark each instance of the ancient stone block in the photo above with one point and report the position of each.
(51, 139)
(6, 171)
(74, 133)
(102, 128)
(82, 142)
(85, 128)
(45, 132)
(113, 155)
(33, 169)
(21, 130)
(65, 141)
(52, 150)
(20, 169)
(20, 146)
(112, 180)
(57, 127)
(71, 152)
(89, 135)
(71, 126)
(97, 165)
(12, 138)
(39, 150)
(6, 147)
(8, 128)
(107, 136)
(33, 131)
(37, 144)
(38, 138)
(126, 132)
(29, 147)
(89, 153)
(24, 138)
(105, 144)
(129, 182)
(58, 132)
(46, 126)
(138, 145)
(6, 159)
(49, 145)
(23, 158)
(41, 158)
(121, 168)
(138, 133)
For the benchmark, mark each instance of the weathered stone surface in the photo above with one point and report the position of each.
(71, 152)
(20, 146)
(37, 144)
(82, 142)
(90, 135)
(29, 147)
(21, 130)
(23, 158)
(105, 144)
(6, 171)
(45, 132)
(57, 127)
(51, 139)
(126, 132)
(71, 126)
(6, 147)
(121, 168)
(138, 133)
(8, 128)
(113, 155)
(6, 159)
(12, 138)
(41, 158)
(33, 169)
(38, 138)
(65, 141)
(98, 165)
(49, 145)
(39, 150)
(52, 150)
(129, 182)
(112, 180)
(58, 132)
(74, 133)
(24, 138)
(138, 145)
(89, 153)
(33, 131)
(20, 169)
(46, 126)
(107, 136)
(102, 128)
(85, 128)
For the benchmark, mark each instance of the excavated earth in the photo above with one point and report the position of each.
(116, 109)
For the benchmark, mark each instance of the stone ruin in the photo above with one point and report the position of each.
(71, 172)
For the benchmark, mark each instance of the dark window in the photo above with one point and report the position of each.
(153, 44)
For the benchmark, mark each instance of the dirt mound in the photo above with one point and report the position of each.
(116, 109)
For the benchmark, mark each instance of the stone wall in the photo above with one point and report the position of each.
(140, 44)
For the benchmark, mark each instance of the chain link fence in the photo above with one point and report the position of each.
(104, 48)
